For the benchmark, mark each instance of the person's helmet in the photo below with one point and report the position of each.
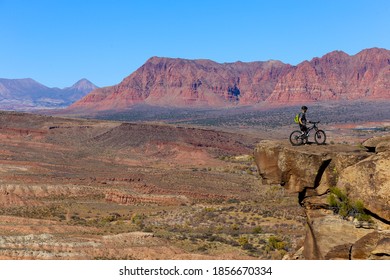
(304, 108)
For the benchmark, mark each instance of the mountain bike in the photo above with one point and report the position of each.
(297, 137)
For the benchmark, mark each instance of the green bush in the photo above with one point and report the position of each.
(359, 206)
(243, 240)
(235, 227)
(339, 193)
(257, 230)
(138, 219)
(361, 215)
(340, 203)
(275, 243)
(333, 201)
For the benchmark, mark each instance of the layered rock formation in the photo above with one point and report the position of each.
(181, 82)
(345, 193)
(204, 83)
(337, 76)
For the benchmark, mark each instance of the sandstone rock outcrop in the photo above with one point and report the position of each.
(375, 143)
(313, 173)
(127, 199)
(369, 181)
(204, 83)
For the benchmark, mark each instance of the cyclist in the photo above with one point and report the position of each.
(302, 119)
(299, 137)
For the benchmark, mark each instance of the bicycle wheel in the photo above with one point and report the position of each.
(296, 138)
(320, 137)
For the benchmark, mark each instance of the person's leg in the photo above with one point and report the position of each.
(303, 128)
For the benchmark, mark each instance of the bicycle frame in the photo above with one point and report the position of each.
(314, 126)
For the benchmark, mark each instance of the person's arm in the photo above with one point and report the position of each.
(300, 119)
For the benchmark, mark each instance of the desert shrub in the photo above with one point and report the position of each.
(138, 219)
(333, 201)
(148, 229)
(359, 206)
(233, 200)
(339, 193)
(202, 248)
(233, 243)
(112, 217)
(360, 213)
(54, 212)
(249, 247)
(243, 240)
(340, 203)
(76, 220)
(235, 227)
(257, 230)
(219, 228)
(276, 243)
(249, 171)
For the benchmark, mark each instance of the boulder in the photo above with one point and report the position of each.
(310, 171)
(383, 146)
(369, 181)
(375, 245)
(267, 157)
(382, 249)
(294, 168)
(303, 169)
(329, 236)
(372, 144)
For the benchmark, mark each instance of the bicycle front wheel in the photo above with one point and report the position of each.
(296, 138)
(320, 137)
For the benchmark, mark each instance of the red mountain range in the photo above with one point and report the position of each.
(204, 83)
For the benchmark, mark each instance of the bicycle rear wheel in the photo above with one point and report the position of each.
(296, 138)
(320, 137)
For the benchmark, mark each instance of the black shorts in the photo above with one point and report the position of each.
(303, 127)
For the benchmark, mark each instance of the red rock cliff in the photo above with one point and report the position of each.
(205, 83)
(321, 177)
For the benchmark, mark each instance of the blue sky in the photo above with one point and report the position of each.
(58, 42)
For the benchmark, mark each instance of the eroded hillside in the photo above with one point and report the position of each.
(85, 189)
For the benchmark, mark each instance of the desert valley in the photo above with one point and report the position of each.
(190, 159)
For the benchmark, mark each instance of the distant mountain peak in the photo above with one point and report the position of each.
(27, 94)
(84, 84)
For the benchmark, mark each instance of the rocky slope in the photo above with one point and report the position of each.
(88, 189)
(204, 83)
(27, 94)
(344, 191)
